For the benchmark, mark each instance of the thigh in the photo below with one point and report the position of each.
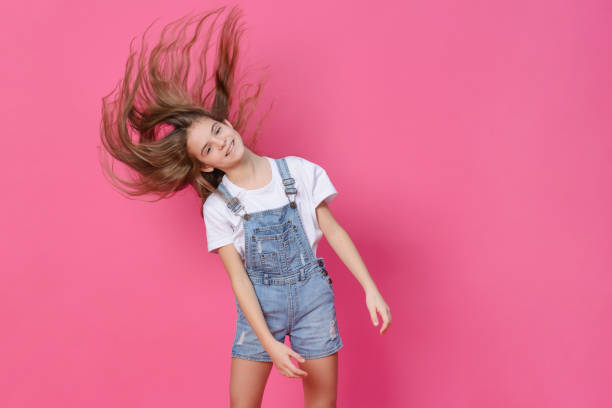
(248, 381)
(273, 302)
(321, 383)
(314, 332)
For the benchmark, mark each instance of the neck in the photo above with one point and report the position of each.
(245, 172)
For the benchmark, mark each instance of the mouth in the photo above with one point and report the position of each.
(230, 149)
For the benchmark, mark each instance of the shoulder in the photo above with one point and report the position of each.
(306, 169)
(213, 204)
(300, 164)
(212, 200)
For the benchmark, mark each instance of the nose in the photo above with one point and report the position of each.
(219, 141)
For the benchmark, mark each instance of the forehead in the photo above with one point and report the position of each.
(201, 125)
(200, 130)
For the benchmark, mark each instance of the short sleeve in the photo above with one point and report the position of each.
(219, 230)
(322, 187)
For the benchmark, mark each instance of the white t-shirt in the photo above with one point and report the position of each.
(313, 185)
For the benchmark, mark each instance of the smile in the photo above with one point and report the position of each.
(230, 149)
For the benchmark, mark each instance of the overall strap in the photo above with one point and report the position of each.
(288, 181)
(232, 202)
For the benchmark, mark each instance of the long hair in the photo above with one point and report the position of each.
(154, 97)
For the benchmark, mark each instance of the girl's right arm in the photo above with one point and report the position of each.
(247, 299)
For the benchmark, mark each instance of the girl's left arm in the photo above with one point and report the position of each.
(342, 244)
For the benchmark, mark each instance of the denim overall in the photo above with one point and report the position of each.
(293, 288)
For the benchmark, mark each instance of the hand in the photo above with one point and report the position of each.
(375, 302)
(280, 353)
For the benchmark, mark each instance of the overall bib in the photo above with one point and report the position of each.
(293, 288)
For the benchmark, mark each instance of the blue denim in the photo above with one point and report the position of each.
(293, 288)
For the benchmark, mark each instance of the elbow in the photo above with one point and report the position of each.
(239, 281)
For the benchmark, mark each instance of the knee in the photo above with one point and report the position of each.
(321, 402)
(240, 402)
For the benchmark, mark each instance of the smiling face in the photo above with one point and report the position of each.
(216, 144)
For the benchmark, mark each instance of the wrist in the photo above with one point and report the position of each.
(370, 288)
(268, 341)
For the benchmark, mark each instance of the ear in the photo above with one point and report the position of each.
(206, 168)
(227, 123)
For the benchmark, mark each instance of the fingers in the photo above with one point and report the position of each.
(289, 369)
(295, 355)
(296, 372)
(386, 315)
(373, 316)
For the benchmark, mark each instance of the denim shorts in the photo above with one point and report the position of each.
(300, 305)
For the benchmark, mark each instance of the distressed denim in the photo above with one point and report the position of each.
(292, 285)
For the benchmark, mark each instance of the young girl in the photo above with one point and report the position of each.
(263, 216)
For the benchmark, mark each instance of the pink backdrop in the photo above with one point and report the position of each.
(470, 145)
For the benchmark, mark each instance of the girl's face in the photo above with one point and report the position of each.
(216, 144)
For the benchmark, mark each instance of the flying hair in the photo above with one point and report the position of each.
(146, 117)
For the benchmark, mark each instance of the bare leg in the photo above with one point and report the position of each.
(247, 382)
(321, 383)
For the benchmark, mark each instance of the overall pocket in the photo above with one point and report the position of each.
(266, 248)
(292, 249)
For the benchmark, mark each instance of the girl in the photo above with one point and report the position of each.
(263, 216)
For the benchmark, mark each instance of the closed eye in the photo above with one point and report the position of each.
(216, 132)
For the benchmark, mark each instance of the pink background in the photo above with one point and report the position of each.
(470, 145)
